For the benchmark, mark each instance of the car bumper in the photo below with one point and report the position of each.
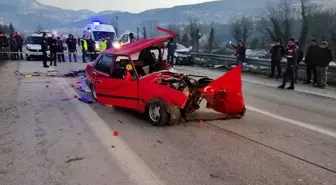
(35, 53)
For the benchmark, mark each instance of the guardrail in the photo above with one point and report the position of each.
(228, 60)
(261, 66)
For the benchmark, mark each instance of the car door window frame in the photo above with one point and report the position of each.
(101, 60)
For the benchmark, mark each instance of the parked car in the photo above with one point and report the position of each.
(183, 55)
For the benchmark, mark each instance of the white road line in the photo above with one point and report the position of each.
(261, 83)
(298, 123)
(127, 160)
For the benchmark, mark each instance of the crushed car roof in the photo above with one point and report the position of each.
(137, 46)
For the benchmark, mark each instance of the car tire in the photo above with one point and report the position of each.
(28, 58)
(157, 113)
(175, 116)
(93, 92)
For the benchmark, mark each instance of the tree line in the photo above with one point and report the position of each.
(7, 29)
(280, 21)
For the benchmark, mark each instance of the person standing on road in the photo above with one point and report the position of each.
(84, 46)
(171, 51)
(53, 49)
(19, 42)
(60, 50)
(103, 44)
(92, 49)
(311, 59)
(240, 52)
(277, 52)
(44, 48)
(292, 58)
(299, 59)
(72, 44)
(109, 43)
(13, 47)
(2, 46)
(322, 66)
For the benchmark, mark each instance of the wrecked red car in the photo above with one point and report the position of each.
(146, 84)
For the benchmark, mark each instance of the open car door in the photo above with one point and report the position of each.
(224, 94)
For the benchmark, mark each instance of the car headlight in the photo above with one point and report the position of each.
(28, 47)
(97, 46)
(116, 45)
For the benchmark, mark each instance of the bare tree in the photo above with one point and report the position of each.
(177, 30)
(194, 33)
(277, 21)
(143, 30)
(240, 29)
(236, 31)
(211, 39)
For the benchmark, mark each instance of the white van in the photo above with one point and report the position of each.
(33, 47)
(96, 31)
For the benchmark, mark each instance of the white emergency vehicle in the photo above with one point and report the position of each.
(96, 31)
(33, 47)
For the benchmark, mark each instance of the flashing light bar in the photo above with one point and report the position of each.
(96, 23)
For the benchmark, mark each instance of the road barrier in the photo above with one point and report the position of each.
(261, 66)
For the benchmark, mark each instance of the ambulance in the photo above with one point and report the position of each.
(96, 31)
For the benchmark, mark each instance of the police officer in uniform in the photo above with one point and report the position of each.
(84, 45)
(53, 49)
(44, 48)
(292, 58)
(103, 44)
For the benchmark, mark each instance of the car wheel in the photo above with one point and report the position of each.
(93, 92)
(158, 114)
(28, 58)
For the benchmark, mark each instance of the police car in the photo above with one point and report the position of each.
(96, 31)
(33, 47)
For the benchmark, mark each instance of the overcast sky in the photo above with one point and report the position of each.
(133, 6)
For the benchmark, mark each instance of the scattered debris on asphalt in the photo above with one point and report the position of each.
(74, 159)
(85, 100)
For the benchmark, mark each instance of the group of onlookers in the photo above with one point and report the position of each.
(14, 43)
(317, 60)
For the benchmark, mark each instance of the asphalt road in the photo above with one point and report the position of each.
(47, 137)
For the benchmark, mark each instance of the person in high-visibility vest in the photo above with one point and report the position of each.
(103, 44)
(84, 46)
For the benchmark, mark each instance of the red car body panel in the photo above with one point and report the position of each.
(225, 94)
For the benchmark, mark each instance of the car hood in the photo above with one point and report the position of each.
(33, 46)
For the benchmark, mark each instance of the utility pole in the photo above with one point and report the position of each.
(117, 32)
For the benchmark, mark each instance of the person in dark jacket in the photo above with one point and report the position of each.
(72, 47)
(19, 41)
(60, 50)
(299, 60)
(240, 52)
(44, 48)
(292, 58)
(171, 51)
(3, 46)
(322, 66)
(132, 38)
(311, 60)
(277, 52)
(91, 48)
(53, 45)
(13, 47)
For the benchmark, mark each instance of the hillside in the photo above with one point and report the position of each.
(27, 14)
